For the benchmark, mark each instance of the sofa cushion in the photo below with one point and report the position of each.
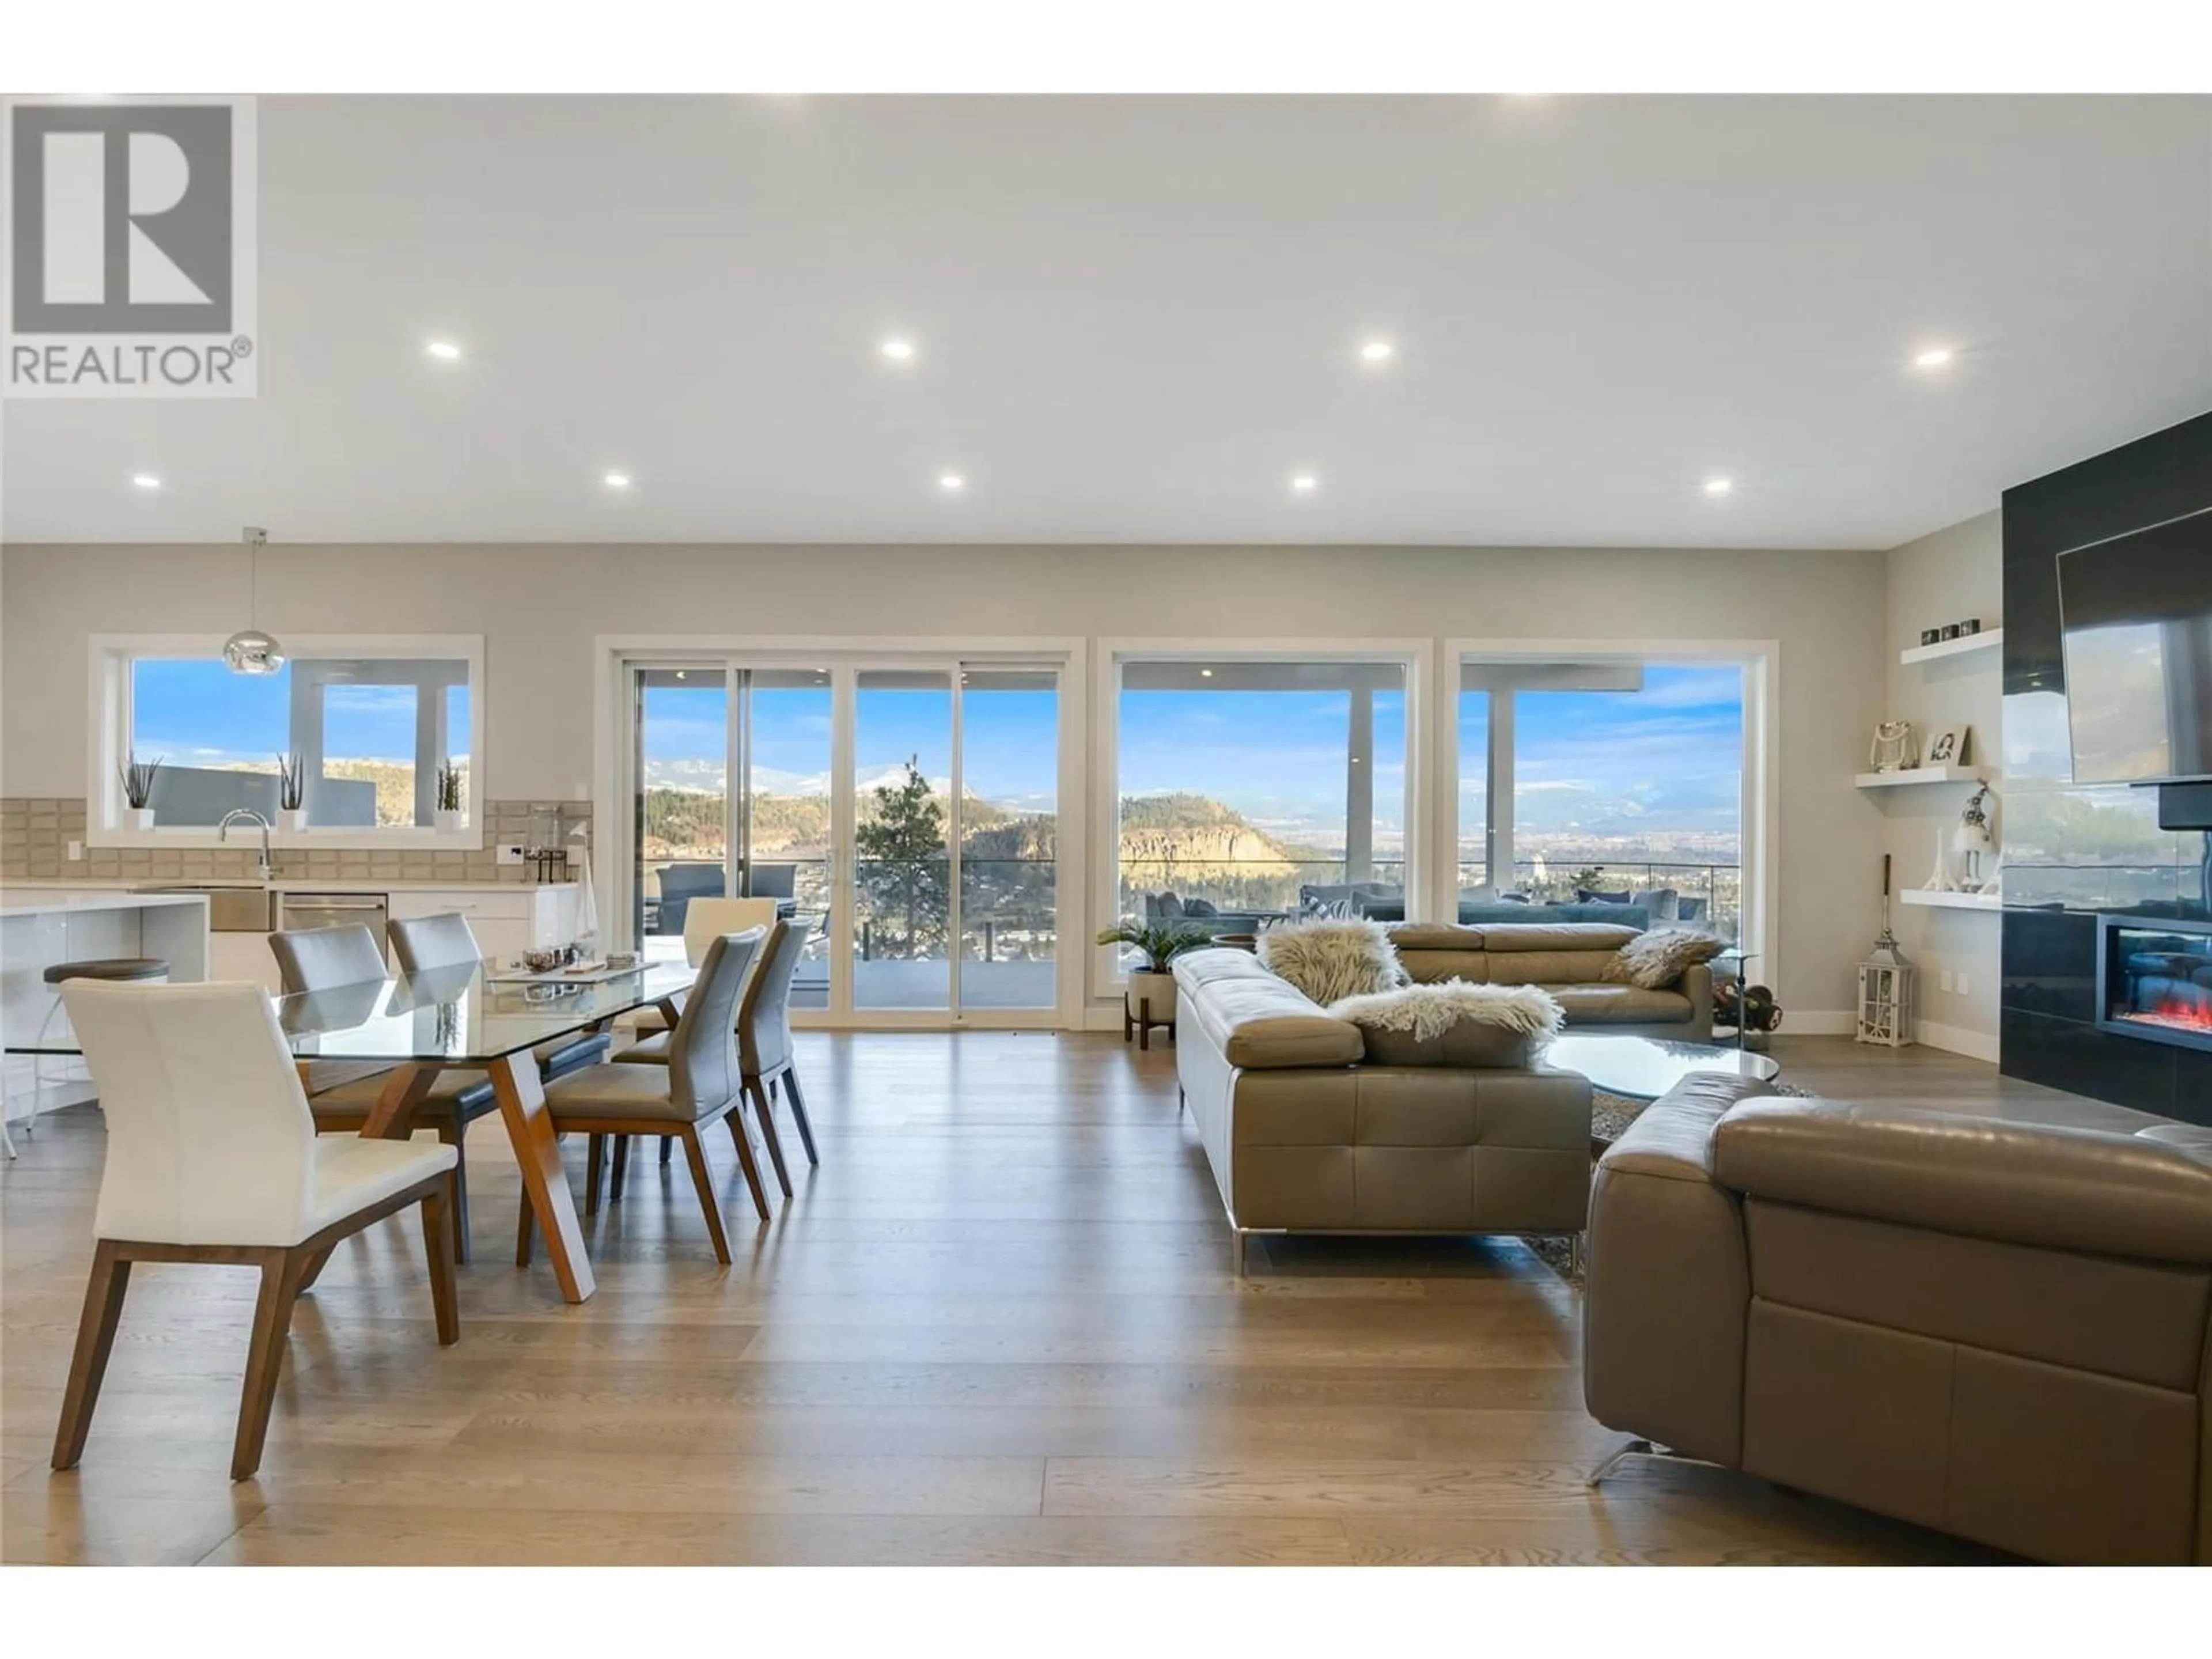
(1660, 957)
(1505, 938)
(1258, 1020)
(1452, 1023)
(1621, 1005)
(1333, 959)
(1586, 895)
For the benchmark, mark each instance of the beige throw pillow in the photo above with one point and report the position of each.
(1658, 959)
(1331, 959)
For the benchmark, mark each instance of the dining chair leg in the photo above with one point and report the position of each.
(455, 1135)
(281, 1272)
(736, 1120)
(703, 1179)
(667, 1146)
(595, 1151)
(313, 1270)
(441, 1212)
(525, 1232)
(95, 1340)
(768, 1132)
(798, 1113)
(618, 1177)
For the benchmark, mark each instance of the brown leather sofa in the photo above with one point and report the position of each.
(1568, 960)
(1305, 1134)
(1999, 1328)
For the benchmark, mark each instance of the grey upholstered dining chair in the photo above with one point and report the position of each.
(702, 1083)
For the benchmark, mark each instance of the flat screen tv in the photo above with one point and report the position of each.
(2135, 616)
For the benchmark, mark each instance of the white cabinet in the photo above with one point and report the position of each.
(506, 922)
(233, 957)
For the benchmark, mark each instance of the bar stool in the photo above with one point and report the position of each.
(150, 970)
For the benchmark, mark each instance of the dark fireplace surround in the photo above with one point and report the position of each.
(2154, 979)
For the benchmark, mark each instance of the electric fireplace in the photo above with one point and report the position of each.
(2155, 979)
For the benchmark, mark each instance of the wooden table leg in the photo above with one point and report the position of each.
(521, 1096)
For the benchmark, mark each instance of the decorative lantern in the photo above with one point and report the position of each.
(1885, 985)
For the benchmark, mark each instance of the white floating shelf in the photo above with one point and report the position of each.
(1919, 775)
(1965, 642)
(1951, 901)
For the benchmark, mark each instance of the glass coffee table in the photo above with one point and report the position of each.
(1645, 1068)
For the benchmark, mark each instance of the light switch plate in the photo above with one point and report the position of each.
(510, 853)
(1962, 984)
(1943, 979)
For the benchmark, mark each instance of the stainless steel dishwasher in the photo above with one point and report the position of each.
(299, 912)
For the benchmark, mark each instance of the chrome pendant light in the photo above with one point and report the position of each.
(250, 651)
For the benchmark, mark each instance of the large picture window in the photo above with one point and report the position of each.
(1252, 791)
(1603, 782)
(369, 726)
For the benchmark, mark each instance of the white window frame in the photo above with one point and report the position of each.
(1416, 657)
(846, 656)
(1761, 807)
(108, 739)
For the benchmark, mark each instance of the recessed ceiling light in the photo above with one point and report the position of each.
(899, 351)
(950, 481)
(1933, 357)
(145, 481)
(1376, 351)
(1305, 483)
(619, 481)
(1205, 673)
(1719, 486)
(443, 350)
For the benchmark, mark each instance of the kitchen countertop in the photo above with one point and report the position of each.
(152, 885)
(83, 899)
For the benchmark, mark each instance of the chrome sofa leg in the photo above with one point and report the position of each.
(1633, 1449)
(1577, 1254)
(1238, 1236)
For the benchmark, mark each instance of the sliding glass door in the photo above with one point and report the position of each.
(903, 814)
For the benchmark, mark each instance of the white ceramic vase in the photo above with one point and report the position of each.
(1151, 995)
(447, 820)
(138, 817)
(291, 819)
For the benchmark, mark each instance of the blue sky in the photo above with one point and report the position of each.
(197, 712)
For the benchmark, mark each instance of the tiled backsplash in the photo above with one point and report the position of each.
(35, 833)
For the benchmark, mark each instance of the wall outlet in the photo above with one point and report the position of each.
(1943, 979)
(75, 851)
(510, 851)
(1962, 984)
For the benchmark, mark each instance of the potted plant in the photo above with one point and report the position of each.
(1151, 994)
(291, 791)
(137, 778)
(450, 779)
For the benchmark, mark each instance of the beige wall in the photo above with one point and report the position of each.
(1947, 577)
(539, 608)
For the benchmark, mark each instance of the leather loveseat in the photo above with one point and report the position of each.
(1308, 1132)
(1568, 960)
(1999, 1328)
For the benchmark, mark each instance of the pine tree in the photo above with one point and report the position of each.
(902, 873)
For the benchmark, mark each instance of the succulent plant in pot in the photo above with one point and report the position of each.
(451, 782)
(137, 777)
(292, 791)
(1151, 994)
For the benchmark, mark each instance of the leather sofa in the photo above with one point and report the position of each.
(2000, 1328)
(1568, 960)
(1306, 1134)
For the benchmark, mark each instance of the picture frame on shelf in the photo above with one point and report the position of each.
(1947, 745)
(1893, 749)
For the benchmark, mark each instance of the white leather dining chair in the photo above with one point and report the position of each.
(212, 1157)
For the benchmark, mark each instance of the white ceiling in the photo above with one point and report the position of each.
(1137, 317)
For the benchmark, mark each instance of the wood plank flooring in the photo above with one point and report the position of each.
(998, 1325)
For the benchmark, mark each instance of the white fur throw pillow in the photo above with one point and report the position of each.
(1657, 959)
(1453, 1022)
(1331, 959)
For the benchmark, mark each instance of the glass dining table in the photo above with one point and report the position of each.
(464, 1019)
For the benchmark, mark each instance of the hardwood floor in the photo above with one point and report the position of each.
(997, 1325)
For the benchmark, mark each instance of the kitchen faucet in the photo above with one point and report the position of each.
(222, 834)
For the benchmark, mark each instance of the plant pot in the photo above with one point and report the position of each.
(290, 818)
(1151, 995)
(447, 820)
(138, 817)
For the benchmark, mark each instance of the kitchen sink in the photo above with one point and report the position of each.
(231, 909)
